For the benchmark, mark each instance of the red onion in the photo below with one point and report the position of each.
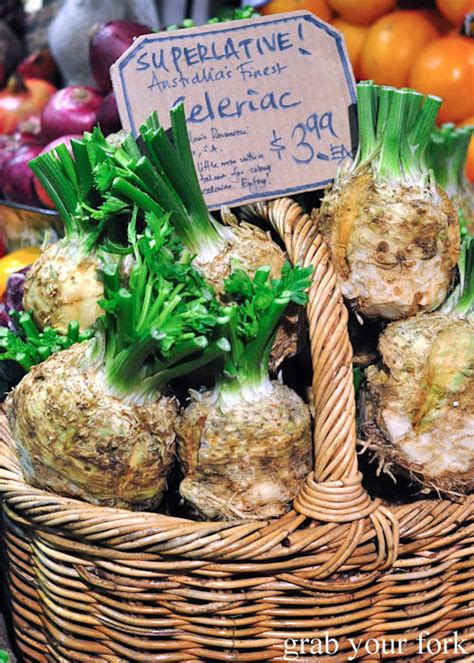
(13, 296)
(107, 43)
(108, 118)
(42, 195)
(39, 65)
(72, 110)
(8, 147)
(29, 131)
(17, 178)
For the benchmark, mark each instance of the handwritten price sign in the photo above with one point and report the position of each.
(268, 101)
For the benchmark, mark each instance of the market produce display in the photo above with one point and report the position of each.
(418, 404)
(392, 221)
(393, 232)
(193, 400)
(162, 319)
(36, 114)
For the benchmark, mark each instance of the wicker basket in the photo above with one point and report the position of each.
(89, 583)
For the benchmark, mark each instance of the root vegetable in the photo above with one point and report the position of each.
(418, 404)
(64, 285)
(245, 447)
(74, 438)
(108, 117)
(17, 178)
(393, 233)
(108, 41)
(71, 110)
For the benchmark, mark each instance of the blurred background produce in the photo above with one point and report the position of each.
(52, 86)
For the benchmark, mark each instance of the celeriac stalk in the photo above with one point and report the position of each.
(63, 285)
(447, 153)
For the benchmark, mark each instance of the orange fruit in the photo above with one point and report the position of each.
(438, 20)
(455, 10)
(446, 68)
(391, 45)
(319, 8)
(362, 12)
(354, 36)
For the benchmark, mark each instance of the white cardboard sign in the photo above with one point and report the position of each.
(268, 101)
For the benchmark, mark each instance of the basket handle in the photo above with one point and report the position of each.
(333, 492)
(331, 352)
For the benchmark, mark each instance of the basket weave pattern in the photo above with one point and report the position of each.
(91, 583)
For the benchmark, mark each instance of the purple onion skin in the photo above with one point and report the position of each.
(108, 118)
(107, 43)
(5, 320)
(17, 178)
(9, 145)
(72, 110)
(13, 298)
(15, 287)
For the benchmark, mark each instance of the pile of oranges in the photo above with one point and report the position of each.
(406, 44)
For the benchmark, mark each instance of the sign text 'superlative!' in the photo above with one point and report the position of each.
(268, 102)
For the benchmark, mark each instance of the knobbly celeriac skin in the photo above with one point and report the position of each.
(244, 460)
(417, 409)
(249, 248)
(395, 248)
(73, 437)
(64, 286)
(392, 231)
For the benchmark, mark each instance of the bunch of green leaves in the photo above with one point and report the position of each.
(165, 179)
(30, 346)
(96, 188)
(226, 14)
(256, 306)
(79, 185)
(167, 321)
